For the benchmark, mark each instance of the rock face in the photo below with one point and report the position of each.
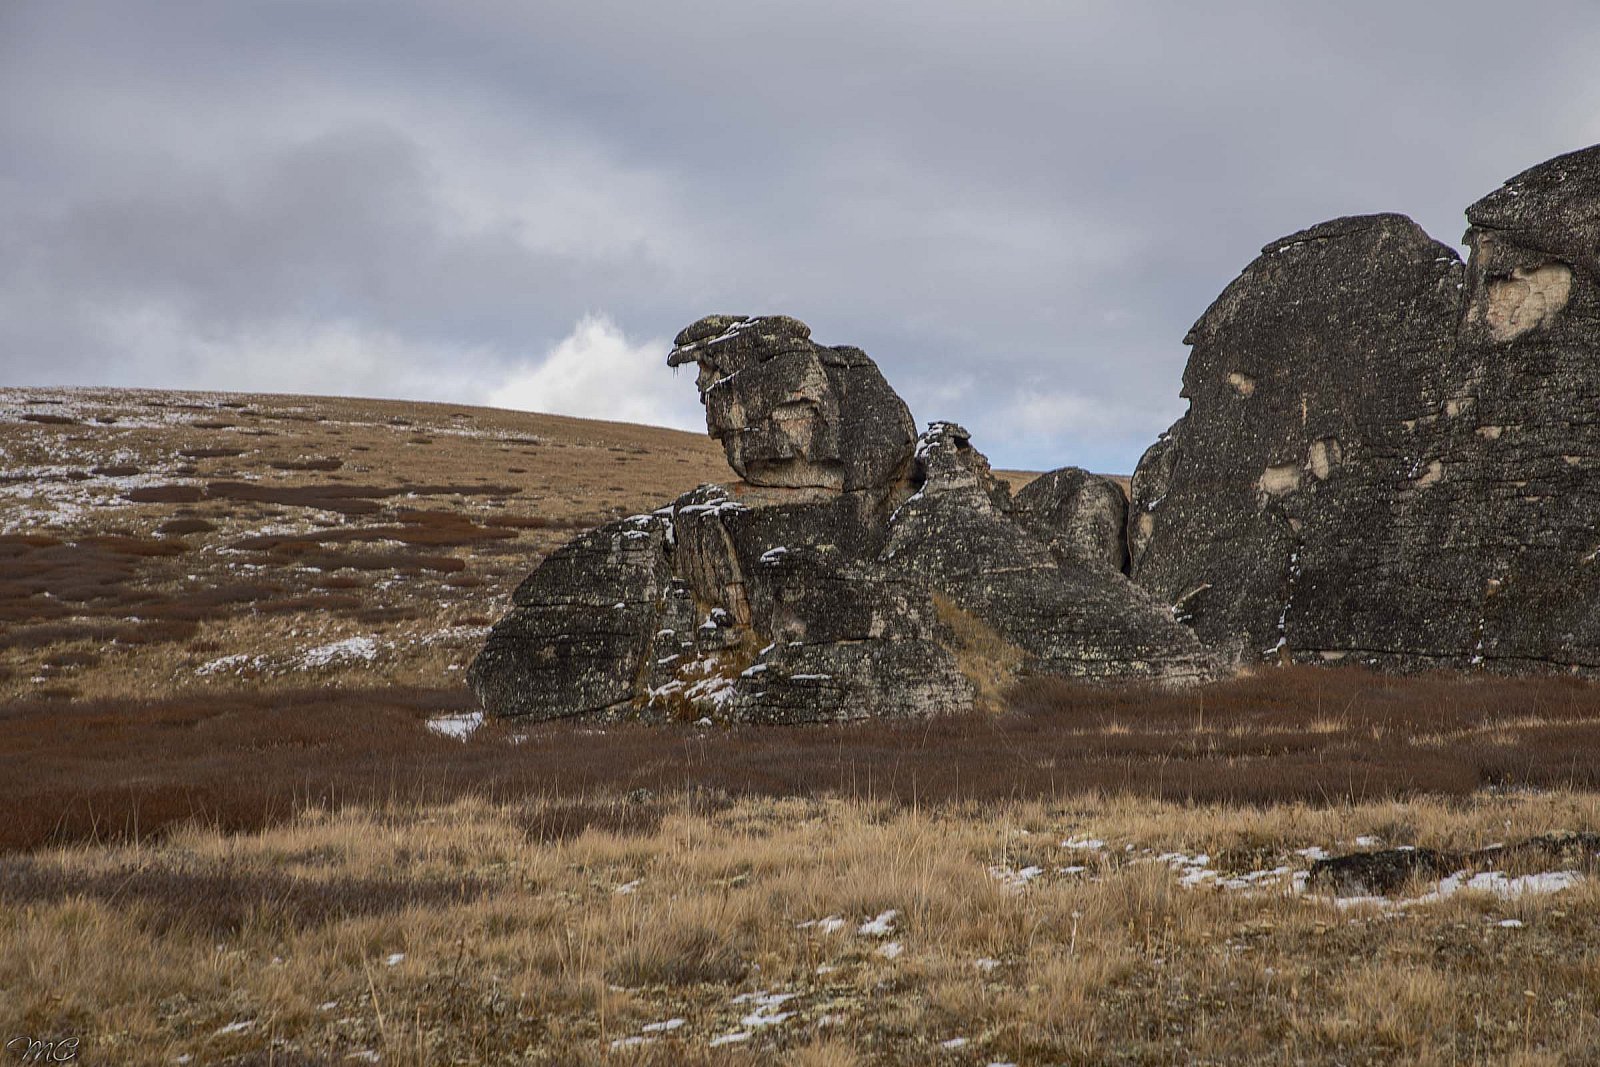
(856, 571)
(1297, 465)
(1083, 517)
(793, 414)
(1389, 456)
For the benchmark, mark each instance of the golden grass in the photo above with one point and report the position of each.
(561, 951)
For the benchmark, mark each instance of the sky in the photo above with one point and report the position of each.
(1017, 208)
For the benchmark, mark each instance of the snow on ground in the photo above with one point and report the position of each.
(1495, 883)
(339, 653)
(1013, 878)
(459, 726)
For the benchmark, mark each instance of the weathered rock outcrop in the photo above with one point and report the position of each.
(856, 571)
(1390, 456)
(1278, 503)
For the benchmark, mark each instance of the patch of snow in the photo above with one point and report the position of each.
(394, 959)
(882, 926)
(629, 887)
(1084, 844)
(892, 951)
(1368, 841)
(1015, 879)
(236, 664)
(831, 925)
(350, 650)
(768, 1009)
(985, 964)
(459, 726)
(954, 1043)
(664, 1027)
(729, 1039)
(238, 1027)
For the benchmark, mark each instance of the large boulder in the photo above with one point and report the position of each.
(582, 626)
(1517, 449)
(1389, 456)
(1083, 517)
(856, 571)
(1272, 515)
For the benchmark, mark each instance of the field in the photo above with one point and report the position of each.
(248, 820)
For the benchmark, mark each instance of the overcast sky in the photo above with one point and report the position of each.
(1016, 208)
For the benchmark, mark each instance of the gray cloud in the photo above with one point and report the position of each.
(1017, 209)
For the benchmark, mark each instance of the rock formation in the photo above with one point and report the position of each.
(1390, 457)
(855, 570)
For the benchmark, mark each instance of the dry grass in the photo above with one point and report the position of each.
(517, 947)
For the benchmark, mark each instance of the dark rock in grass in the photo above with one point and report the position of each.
(1366, 874)
(1387, 871)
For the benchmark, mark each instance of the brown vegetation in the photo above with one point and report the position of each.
(113, 769)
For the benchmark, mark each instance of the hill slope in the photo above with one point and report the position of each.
(155, 541)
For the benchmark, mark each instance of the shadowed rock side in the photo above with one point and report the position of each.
(1389, 456)
(856, 571)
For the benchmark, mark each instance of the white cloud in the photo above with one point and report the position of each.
(597, 372)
